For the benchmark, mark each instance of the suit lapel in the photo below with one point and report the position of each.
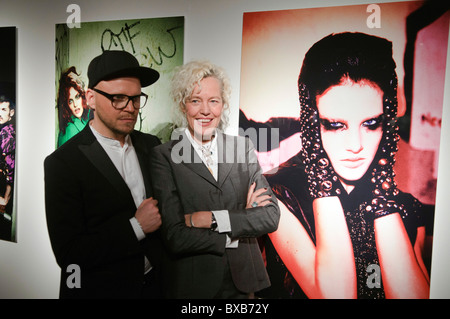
(184, 153)
(143, 157)
(92, 149)
(225, 146)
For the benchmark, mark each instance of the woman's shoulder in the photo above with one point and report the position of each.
(290, 173)
(289, 183)
(413, 210)
(163, 146)
(177, 137)
(408, 199)
(74, 126)
(233, 138)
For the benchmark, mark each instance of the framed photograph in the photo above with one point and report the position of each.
(274, 45)
(8, 114)
(156, 42)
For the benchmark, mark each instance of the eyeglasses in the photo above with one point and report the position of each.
(120, 101)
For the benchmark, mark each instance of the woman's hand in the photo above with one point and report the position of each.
(200, 219)
(256, 198)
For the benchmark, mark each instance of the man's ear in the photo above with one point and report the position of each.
(90, 99)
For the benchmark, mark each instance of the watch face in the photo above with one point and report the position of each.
(213, 222)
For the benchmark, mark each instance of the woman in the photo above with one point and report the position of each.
(343, 221)
(213, 199)
(73, 112)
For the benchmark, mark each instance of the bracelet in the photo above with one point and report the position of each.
(381, 207)
(190, 219)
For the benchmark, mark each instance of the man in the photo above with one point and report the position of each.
(102, 220)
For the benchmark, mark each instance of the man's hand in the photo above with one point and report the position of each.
(148, 215)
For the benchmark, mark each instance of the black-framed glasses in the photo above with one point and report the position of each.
(120, 101)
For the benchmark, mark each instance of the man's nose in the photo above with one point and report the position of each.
(129, 107)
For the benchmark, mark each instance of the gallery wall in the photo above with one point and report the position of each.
(213, 30)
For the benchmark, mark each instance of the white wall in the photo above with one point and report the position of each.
(213, 30)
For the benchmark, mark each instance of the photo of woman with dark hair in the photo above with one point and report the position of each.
(73, 112)
(344, 222)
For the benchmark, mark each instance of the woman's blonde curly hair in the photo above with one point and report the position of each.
(185, 79)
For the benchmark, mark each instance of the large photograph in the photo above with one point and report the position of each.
(8, 134)
(157, 43)
(344, 106)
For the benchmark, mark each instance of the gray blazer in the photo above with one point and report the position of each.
(182, 184)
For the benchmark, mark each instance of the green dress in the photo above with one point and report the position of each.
(73, 128)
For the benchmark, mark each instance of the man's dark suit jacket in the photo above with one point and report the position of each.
(183, 185)
(88, 207)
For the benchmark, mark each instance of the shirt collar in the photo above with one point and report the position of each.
(110, 142)
(211, 144)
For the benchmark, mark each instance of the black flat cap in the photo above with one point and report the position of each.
(115, 64)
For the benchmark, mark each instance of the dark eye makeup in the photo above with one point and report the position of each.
(371, 124)
(374, 123)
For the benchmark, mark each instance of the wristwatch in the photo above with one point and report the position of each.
(213, 222)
